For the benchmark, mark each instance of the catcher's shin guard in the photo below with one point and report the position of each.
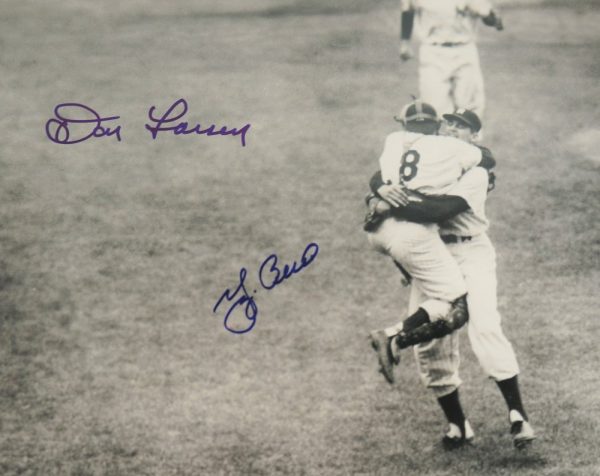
(456, 318)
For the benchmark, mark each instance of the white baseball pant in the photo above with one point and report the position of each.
(419, 249)
(450, 78)
(438, 360)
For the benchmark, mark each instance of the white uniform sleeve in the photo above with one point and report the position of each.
(472, 186)
(480, 7)
(468, 154)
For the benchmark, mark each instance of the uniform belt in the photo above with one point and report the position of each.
(449, 44)
(455, 239)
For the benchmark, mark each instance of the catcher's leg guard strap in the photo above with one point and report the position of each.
(457, 317)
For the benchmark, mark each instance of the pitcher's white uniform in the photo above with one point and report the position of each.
(449, 72)
(432, 165)
(438, 360)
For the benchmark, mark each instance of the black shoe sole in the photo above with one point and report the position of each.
(523, 444)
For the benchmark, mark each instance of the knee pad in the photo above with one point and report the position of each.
(459, 313)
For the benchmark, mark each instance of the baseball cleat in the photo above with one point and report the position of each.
(381, 344)
(454, 439)
(521, 430)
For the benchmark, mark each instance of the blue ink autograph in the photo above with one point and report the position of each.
(73, 123)
(57, 128)
(182, 127)
(270, 275)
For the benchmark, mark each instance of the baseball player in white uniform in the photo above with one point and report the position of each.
(430, 164)
(466, 239)
(449, 72)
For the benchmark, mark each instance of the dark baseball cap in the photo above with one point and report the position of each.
(467, 117)
(417, 111)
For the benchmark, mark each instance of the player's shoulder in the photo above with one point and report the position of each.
(401, 134)
(454, 143)
(475, 176)
(401, 137)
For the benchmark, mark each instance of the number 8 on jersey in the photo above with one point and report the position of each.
(408, 166)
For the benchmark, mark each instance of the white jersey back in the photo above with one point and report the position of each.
(472, 186)
(447, 21)
(426, 163)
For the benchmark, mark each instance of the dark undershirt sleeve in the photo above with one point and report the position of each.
(376, 182)
(406, 24)
(431, 209)
(487, 158)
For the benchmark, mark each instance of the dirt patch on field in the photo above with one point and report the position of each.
(587, 143)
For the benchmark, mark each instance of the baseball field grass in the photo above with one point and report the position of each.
(113, 253)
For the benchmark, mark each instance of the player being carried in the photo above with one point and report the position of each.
(425, 162)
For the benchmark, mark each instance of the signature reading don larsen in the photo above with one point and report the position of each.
(74, 123)
(270, 275)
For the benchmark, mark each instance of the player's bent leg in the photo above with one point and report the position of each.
(420, 250)
(457, 318)
(428, 261)
(422, 253)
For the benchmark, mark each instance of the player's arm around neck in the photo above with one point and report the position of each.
(430, 209)
(422, 208)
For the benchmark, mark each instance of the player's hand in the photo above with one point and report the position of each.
(494, 19)
(382, 207)
(491, 181)
(395, 195)
(405, 51)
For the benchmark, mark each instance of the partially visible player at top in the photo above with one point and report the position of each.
(449, 72)
(425, 162)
